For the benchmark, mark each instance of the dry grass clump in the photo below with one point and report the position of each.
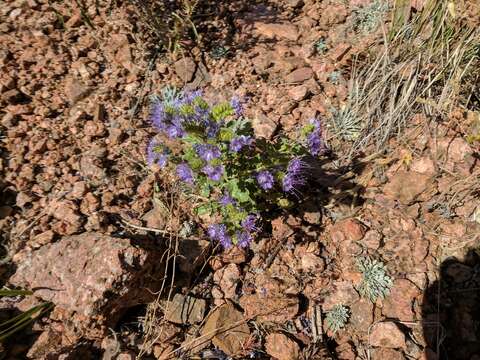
(426, 66)
(170, 21)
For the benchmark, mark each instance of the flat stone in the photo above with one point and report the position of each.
(299, 75)
(387, 335)
(282, 30)
(185, 309)
(281, 347)
(185, 69)
(407, 186)
(226, 329)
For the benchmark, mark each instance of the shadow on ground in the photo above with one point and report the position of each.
(451, 311)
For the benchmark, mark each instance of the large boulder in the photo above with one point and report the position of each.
(91, 275)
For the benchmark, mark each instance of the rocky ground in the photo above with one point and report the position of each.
(88, 226)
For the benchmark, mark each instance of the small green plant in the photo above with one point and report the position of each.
(376, 283)
(337, 318)
(17, 323)
(219, 52)
(231, 176)
(334, 76)
(320, 46)
(368, 18)
(346, 124)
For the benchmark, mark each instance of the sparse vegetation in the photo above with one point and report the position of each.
(232, 176)
(18, 322)
(376, 283)
(337, 318)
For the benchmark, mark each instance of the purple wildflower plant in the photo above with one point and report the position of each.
(208, 152)
(213, 172)
(217, 154)
(239, 142)
(219, 232)
(156, 154)
(265, 179)
(185, 173)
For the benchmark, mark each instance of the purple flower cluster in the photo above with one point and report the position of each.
(219, 232)
(156, 154)
(239, 142)
(315, 140)
(185, 173)
(208, 152)
(295, 175)
(243, 239)
(165, 117)
(249, 223)
(226, 199)
(213, 172)
(265, 179)
(237, 106)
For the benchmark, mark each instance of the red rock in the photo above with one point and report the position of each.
(263, 126)
(299, 75)
(339, 51)
(279, 309)
(343, 293)
(185, 309)
(387, 335)
(298, 93)
(225, 328)
(281, 347)
(407, 186)
(90, 274)
(399, 303)
(227, 279)
(75, 90)
(361, 315)
(424, 165)
(387, 354)
(185, 69)
(281, 30)
(347, 230)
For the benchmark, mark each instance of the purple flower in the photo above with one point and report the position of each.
(213, 172)
(297, 166)
(157, 116)
(208, 152)
(175, 131)
(294, 177)
(243, 239)
(189, 97)
(265, 179)
(218, 232)
(248, 223)
(239, 142)
(226, 199)
(212, 128)
(184, 173)
(155, 155)
(237, 106)
(315, 139)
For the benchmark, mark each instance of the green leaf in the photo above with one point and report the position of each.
(226, 134)
(205, 209)
(242, 195)
(221, 111)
